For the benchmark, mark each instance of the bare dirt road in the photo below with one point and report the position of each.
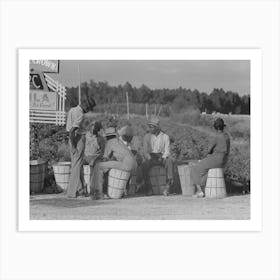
(173, 207)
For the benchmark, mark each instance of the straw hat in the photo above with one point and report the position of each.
(110, 131)
(154, 120)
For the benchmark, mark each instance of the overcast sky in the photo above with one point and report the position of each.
(203, 75)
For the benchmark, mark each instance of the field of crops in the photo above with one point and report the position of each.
(188, 141)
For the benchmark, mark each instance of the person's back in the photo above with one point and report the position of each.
(117, 149)
(222, 143)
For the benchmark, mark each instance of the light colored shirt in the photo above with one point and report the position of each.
(157, 144)
(114, 147)
(75, 118)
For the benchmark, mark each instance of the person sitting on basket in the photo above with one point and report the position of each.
(156, 152)
(95, 145)
(117, 156)
(132, 141)
(217, 157)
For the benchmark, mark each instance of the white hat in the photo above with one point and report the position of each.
(110, 131)
(154, 120)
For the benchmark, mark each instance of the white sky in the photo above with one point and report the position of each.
(203, 75)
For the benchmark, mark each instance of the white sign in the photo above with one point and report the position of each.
(43, 100)
(45, 65)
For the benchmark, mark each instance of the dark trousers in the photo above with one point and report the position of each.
(148, 164)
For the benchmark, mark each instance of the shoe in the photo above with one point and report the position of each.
(165, 193)
(198, 195)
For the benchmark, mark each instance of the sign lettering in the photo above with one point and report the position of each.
(45, 65)
(43, 100)
(35, 81)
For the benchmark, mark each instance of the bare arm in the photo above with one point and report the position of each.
(166, 147)
(107, 151)
(212, 146)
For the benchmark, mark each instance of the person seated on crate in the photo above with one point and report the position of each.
(132, 141)
(217, 157)
(116, 155)
(156, 152)
(76, 127)
(94, 149)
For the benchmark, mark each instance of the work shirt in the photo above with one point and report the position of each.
(157, 144)
(117, 149)
(75, 118)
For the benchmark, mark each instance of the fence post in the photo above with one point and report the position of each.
(159, 109)
(127, 105)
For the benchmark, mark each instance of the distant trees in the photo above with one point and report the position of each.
(179, 99)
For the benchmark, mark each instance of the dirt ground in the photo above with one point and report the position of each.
(173, 207)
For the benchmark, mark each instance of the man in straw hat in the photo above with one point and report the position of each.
(76, 128)
(117, 156)
(157, 152)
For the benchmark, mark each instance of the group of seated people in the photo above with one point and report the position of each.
(121, 150)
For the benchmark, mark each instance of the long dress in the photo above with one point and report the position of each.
(217, 157)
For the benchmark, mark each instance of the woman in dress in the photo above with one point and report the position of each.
(217, 157)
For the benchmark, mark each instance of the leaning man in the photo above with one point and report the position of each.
(156, 152)
(75, 126)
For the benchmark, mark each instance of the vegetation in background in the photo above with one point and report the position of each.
(176, 100)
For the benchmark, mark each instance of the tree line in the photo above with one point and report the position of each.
(177, 100)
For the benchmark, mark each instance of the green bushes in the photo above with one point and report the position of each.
(187, 142)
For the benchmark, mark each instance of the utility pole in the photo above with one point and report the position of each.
(79, 83)
(127, 105)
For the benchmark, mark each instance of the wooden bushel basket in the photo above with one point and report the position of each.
(37, 175)
(117, 181)
(187, 186)
(87, 174)
(215, 185)
(62, 171)
(158, 179)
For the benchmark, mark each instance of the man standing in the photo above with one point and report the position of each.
(157, 152)
(76, 129)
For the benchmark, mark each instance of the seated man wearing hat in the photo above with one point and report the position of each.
(157, 152)
(76, 127)
(117, 156)
(126, 135)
